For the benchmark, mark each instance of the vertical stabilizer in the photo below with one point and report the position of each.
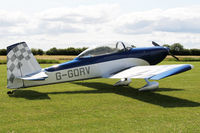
(20, 62)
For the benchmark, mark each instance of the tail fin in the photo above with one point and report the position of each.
(20, 62)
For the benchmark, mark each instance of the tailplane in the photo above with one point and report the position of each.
(20, 62)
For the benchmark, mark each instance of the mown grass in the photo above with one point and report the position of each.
(96, 106)
(47, 61)
(56, 57)
(3, 61)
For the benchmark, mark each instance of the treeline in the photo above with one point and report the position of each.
(52, 51)
(176, 49)
(67, 51)
(55, 51)
(3, 51)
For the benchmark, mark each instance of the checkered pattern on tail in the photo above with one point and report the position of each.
(20, 62)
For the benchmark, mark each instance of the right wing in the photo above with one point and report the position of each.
(155, 72)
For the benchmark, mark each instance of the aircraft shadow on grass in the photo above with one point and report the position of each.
(147, 96)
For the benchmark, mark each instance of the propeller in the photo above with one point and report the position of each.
(156, 44)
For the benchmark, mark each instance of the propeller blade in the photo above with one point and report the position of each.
(155, 44)
(174, 56)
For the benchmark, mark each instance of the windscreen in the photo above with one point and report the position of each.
(103, 50)
(98, 51)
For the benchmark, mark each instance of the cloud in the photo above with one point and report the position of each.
(179, 20)
(56, 21)
(8, 19)
(81, 15)
(101, 22)
(96, 18)
(12, 22)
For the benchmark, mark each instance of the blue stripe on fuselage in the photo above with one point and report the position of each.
(152, 55)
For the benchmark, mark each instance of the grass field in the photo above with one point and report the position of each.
(96, 106)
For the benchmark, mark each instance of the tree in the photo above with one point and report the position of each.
(37, 51)
(34, 51)
(195, 51)
(186, 52)
(40, 52)
(3, 51)
(166, 45)
(176, 47)
(133, 46)
(52, 51)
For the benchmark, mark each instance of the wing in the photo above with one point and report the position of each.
(152, 72)
(34, 77)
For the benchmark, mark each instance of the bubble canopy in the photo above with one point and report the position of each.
(102, 50)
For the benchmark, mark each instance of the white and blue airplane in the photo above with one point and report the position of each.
(120, 62)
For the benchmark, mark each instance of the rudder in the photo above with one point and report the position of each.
(20, 62)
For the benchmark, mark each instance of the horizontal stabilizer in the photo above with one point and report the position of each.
(35, 77)
(152, 72)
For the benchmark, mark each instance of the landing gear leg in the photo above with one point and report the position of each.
(149, 86)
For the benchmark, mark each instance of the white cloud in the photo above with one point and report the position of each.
(180, 20)
(8, 19)
(12, 23)
(98, 23)
(74, 20)
(81, 15)
(56, 21)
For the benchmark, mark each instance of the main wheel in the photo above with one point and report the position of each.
(10, 92)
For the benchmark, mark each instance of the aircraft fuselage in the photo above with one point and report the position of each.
(101, 66)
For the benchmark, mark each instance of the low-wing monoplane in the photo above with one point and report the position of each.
(121, 62)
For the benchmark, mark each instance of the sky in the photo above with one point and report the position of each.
(62, 23)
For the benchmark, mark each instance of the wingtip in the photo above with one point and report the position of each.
(191, 66)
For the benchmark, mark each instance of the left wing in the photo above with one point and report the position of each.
(154, 72)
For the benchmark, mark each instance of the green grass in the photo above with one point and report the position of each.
(3, 61)
(96, 106)
(47, 61)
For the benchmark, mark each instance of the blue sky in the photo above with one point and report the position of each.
(61, 23)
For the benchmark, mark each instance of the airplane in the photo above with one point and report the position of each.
(118, 62)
